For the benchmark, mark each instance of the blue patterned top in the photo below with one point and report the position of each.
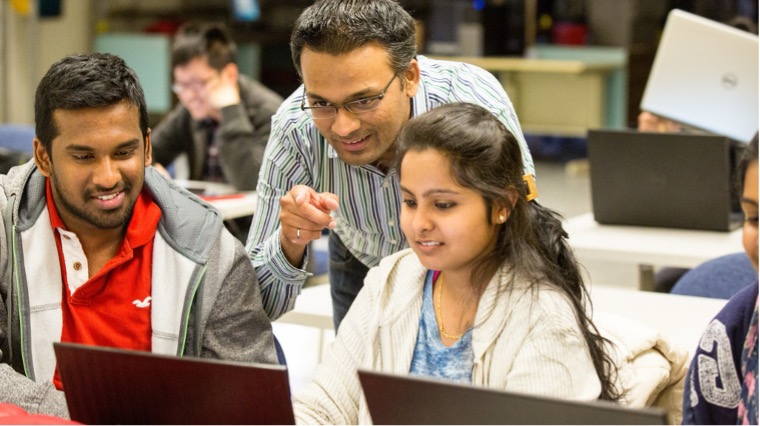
(431, 357)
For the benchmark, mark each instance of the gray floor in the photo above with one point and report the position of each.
(564, 187)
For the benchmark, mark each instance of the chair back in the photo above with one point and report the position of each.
(719, 278)
(17, 137)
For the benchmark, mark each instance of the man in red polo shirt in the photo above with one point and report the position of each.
(98, 248)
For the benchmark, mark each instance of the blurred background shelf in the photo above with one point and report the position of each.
(596, 53)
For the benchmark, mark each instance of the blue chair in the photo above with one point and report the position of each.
(17, 137)
(280, 353)
(718, 278)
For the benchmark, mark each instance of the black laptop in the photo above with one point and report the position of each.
(394, 399)
(110, 386)
(671, 180)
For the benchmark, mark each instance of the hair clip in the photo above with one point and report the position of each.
(530, 182)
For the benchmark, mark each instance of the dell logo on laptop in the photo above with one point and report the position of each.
(729, 80)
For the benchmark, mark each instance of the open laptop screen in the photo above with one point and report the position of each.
(670, 180)
(394, 399)
(110, 386)
(705, 75)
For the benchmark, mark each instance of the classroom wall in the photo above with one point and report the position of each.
(31, 45)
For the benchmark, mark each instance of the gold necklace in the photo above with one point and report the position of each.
(440, 316)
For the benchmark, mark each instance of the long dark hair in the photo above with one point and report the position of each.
(747, 157)
(486, 157)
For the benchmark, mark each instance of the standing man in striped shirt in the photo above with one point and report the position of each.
(328, 163)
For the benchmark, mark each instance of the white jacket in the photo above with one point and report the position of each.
(524, 341)
(652, 370)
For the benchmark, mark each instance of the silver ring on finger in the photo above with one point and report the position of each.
(298, 233)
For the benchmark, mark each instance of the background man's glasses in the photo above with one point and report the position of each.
(358, 106)
(195, 86)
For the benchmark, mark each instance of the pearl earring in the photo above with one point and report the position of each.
(501, 219)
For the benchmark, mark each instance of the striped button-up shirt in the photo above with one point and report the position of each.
(368, 216)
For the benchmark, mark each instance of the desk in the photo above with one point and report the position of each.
(231, 203)
(596, 244)
(232, 207)
(681, 318)
(555, 96)
(313, 309)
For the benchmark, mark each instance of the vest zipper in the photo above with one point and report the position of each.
(183, 340)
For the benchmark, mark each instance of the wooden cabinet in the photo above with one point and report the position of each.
(563, 90)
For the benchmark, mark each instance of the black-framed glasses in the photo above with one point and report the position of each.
(358, 106)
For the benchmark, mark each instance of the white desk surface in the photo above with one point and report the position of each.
(647, 245)
(681, 318)
(230, 202)
(313, 308)
(243, 204)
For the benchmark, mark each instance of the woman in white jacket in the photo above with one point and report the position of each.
(489, 292)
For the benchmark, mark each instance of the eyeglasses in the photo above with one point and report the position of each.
(358, 106)
(196, 86)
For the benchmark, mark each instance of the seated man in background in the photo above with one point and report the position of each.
(100, 249)
(648, 122)
(223, 118)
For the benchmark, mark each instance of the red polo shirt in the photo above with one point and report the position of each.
(111, 308)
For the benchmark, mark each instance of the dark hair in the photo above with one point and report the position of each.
(85, 81)
(486, 157)
(748, 155)
(743, 23)
(340, 26)
(197, 40)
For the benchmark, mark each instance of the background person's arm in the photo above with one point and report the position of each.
(244, 133)
(285, 165)
(172, 136)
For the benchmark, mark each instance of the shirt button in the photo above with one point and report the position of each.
(77, 266)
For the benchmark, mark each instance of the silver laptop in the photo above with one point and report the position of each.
(670, 180)
(705, 75)
(114, 386)
(394, 399)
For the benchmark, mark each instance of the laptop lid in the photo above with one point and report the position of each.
(673, 180)
(705, 75)
(394, 399)
(109, 386)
